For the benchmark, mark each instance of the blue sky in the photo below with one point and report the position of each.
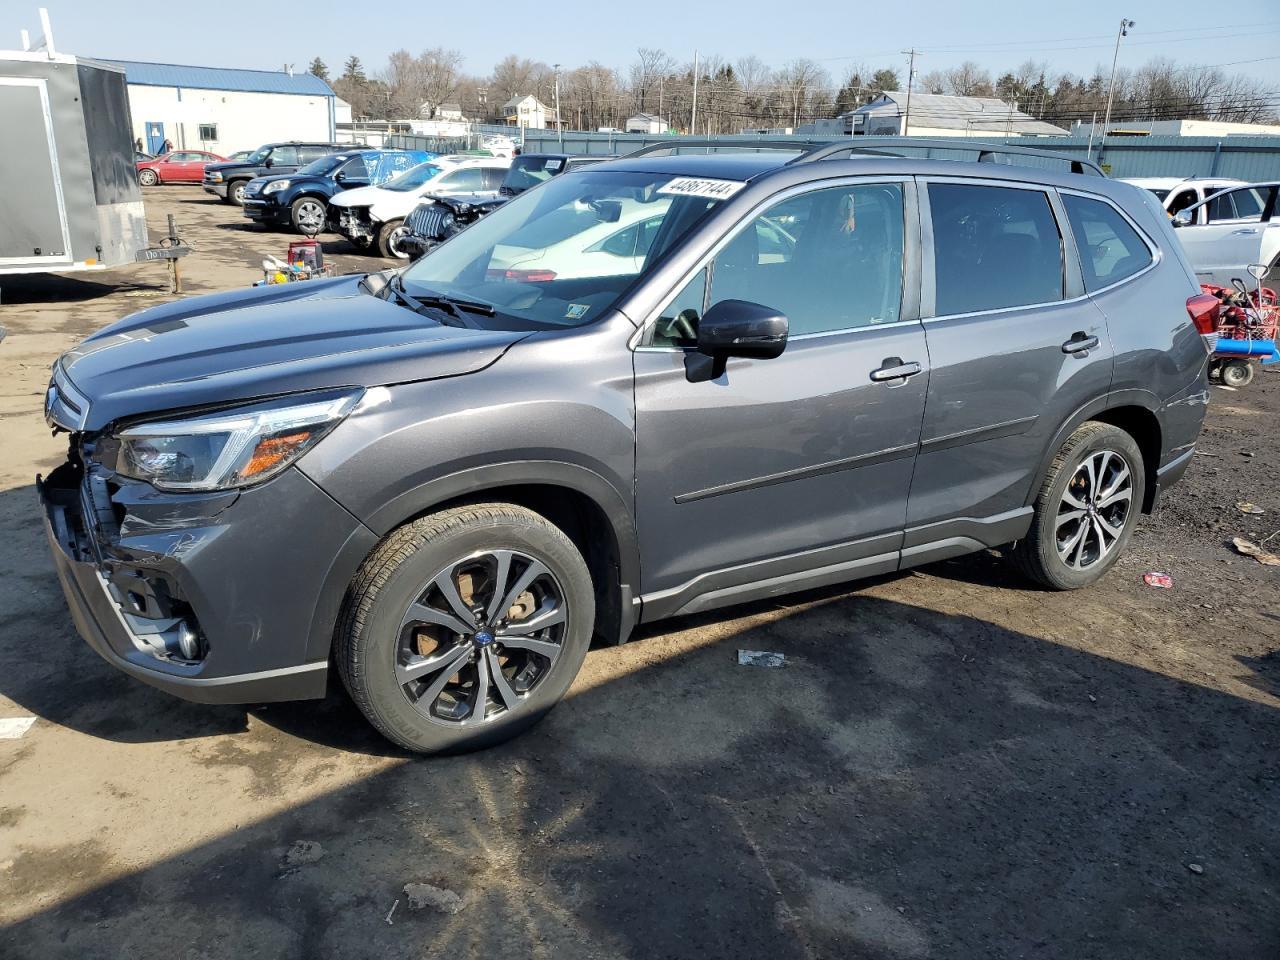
(572, 32)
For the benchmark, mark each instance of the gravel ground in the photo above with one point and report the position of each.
(950, 765)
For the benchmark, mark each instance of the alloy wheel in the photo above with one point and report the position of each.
(393, 242)
(1094, 509)
(482, 635)
(309, 217)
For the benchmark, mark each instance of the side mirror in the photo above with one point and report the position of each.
(1182, 218)
(340, 177)
(268, 163)
(1257, 270)
(735, 328)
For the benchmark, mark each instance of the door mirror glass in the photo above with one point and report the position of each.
(735, 328)
(1182, 218)
(1257, 270)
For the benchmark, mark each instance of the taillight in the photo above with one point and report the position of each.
(523, 276)
(1204, 309)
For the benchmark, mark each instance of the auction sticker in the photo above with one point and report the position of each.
(701, 187)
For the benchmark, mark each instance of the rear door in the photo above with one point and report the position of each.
(1015, 349)
(784, 470)
(33, 227)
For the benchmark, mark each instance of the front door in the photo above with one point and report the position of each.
(793, 471)
(1016, 349)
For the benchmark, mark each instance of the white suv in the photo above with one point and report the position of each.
(369, 215)
(1177, 193)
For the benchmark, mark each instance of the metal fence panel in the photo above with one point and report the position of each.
(1242, 157)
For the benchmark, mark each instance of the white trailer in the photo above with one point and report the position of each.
(69, 196)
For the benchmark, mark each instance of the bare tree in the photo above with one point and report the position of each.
(969, 80)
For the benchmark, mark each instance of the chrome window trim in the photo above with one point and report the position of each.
(636, 341)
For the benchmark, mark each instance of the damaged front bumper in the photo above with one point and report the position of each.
(225, 597)
(354, 223)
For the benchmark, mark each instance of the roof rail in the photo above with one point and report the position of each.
(987, 152)
(744, 145)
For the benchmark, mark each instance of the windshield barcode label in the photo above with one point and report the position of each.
(699, 187)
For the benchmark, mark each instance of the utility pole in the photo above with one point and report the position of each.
(911, 79)
(1125, 26)
(693, 120)
(559, 124)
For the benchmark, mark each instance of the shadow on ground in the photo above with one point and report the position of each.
(912, 784)
(54, 288)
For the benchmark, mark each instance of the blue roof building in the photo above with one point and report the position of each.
(224, 109)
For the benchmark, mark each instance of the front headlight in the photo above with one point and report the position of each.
(215, 176)
(275, 186)
(230, 448)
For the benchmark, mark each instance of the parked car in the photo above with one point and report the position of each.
(301, 199)
(436, 219)
(375, 215)
(1233, 228)
(1177, 193)
(445, 480)
(500, 146)
(227, 180)
(179, 166)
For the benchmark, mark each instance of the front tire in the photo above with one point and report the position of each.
(1086, 510)
(148, 178)
(389, 236)
(235, 192)
(465, 627)
(307, 215)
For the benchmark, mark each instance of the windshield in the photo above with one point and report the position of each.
(561, 255)
(526, 172)
(258, 155)
(413, 178)
(318, 168)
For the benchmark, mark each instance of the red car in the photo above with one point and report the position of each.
(180, 166)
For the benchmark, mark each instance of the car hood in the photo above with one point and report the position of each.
(266, 341)
(365, 196)
(224, 165)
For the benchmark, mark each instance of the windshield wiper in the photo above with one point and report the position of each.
(452, 304)
(453, 316)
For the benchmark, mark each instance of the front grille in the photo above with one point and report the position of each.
(427, 220)
(64, 405)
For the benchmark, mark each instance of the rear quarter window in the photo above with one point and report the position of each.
(1110, 249)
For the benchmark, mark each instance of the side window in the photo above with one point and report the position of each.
(994, 248)
(830, 259)
(678, 324)
(284, 156)
(1181, 201)
(492, 177)
(1219, 206)
(355, 169)
(308, 154)
(1110, 249)
(461, 181)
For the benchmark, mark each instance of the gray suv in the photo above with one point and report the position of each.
(655, 386)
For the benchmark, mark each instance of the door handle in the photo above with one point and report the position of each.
(1245, 232)
(893, 368)
(1079, 343)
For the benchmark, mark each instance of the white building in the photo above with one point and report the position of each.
(225, 110)
(935, 115)
(645, 123)
(528, 112)
(1178, 128)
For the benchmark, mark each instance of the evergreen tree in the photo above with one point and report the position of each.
(319, 69)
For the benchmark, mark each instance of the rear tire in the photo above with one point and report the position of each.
(1086, 509)
(389, 239)
(1237, 373)
(235, 192)
(413, 664)
(148, 178)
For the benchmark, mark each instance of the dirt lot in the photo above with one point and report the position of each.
(952, 765)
